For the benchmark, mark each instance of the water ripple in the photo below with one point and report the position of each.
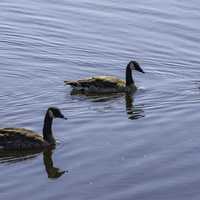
(111, 147)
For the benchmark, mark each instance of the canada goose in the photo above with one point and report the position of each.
(106, 84)
(20, 138)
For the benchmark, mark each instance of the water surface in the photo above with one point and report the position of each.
(112, 147)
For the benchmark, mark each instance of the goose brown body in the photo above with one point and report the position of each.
(21, 138)
(106, 84)
(98, 84)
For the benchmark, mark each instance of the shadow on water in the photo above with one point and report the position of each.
(10, 157)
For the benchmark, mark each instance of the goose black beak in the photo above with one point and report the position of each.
(139, 69)
(63, 117)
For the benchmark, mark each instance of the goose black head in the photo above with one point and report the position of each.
(55, 113)
(135, 66)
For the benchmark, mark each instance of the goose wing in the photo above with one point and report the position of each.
(19, 138)
(98, 81)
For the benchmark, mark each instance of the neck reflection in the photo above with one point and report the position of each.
(52, 172)
(133, 112)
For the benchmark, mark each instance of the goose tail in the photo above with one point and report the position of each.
(72, 83)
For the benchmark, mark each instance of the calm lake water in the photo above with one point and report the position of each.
(112, 147)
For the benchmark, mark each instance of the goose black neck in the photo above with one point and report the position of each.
(129, 78)
(47, 131)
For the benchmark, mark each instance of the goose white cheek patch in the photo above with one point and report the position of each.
(51, 114)
(132, 66)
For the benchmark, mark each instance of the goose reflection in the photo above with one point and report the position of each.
(52, 172)
(133, 112)
(11, 157)
(97, 98)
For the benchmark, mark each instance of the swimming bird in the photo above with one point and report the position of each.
(20, 138)
(106, 84)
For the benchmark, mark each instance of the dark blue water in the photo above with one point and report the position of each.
(112, 147)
